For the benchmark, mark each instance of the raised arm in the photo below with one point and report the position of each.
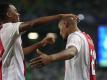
(42, 20)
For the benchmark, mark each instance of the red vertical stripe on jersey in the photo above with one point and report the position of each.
(1, 53)
(91, 49)
(0, 70)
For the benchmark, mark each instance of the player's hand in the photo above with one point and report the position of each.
(49, 39)
(41, 60)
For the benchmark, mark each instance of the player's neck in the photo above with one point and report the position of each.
(73, 29)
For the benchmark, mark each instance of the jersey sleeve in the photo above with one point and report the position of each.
(16, 25)
(10, 32)
(74, 40)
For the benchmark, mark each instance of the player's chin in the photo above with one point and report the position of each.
(63, 37)
(18, 19)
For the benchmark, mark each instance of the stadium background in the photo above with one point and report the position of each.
(93, 14)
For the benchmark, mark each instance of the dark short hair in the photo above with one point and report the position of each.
(3, 10)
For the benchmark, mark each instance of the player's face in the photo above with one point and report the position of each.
(63, 29)
(13, 14)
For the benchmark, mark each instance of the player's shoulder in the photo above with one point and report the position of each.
(76, 34)
(7, 24)
(10, 24)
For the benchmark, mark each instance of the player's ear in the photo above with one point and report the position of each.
(8, 14)
(66, 24)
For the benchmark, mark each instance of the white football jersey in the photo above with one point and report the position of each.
(12, 66)
(78, 68)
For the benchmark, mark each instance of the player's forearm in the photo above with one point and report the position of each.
(64, 55)
(32, 48)
(42, 20)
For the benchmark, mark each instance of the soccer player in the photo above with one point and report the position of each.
(79, 54)
(11, 51)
